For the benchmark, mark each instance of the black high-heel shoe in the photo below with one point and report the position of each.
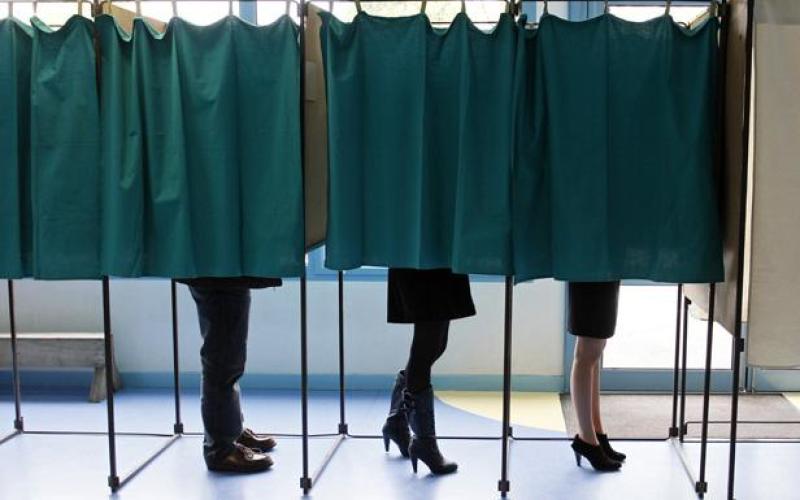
(396, 426)
(595, 455)
(608, 450)
(427, 451)
(423, 444)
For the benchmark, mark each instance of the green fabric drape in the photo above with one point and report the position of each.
(15, 83)
(614, 165)
(420, 130)
(201, 149)
(65, 152)
(49, 165)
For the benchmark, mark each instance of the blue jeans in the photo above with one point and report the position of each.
(223, 314)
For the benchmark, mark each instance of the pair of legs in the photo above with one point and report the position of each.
(585, 387)
(428, 299)
(592, 318)
(224, 312)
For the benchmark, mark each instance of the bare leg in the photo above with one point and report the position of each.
(587, 359)
(597, 419)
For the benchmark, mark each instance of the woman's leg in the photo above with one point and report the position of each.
(597, 419)
(588, 352)
(427, 346)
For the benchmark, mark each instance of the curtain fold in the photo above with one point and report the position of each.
(614, 170)
(15, 81)
(201, 149)
(64, 152)
(419, 128)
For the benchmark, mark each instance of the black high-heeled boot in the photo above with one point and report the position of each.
(608, 450)
(595, 455)
(423, 443)
(396, 426)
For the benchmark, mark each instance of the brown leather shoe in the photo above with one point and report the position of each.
(259, 442)
(242, 459)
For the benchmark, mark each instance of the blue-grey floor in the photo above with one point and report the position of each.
(75, 467)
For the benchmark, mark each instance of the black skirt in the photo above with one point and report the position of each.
(593, 309)
(427, 295)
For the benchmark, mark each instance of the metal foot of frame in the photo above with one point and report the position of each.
(114, 483)
(343, 429)
(701, 487)
(674, 432)
(504, 486)
(177, 429)
(19, 424)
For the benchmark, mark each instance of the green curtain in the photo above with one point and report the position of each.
(420, 131)
(614, 163)
(15, 81)
(201, 149)
(49, 165)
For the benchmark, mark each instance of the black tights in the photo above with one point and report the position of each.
(430, 341)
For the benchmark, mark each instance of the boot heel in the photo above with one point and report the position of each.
(414, 464)
(577, 459)
(386, 443)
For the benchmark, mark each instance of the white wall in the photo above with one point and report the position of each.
(141, 322)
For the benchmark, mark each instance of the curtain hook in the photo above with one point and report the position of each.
(288, 7)
(463, 6)
(11, 8)
(230, 7)
(35, 7)
(605, 8)
(424, 4)
(174, 8)
(669, 4)
(358, 6)
(545, 11)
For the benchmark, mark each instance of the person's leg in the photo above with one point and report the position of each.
(223, 315)
(597, 419)
(427, 346)
(585, 363)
